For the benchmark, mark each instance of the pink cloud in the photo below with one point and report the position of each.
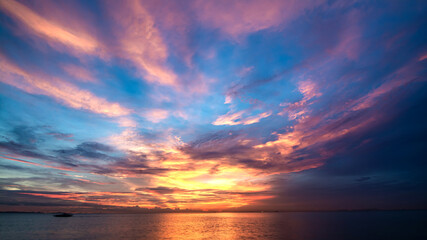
(237, 18)
(36, 164)
(136, 38)
(173, 18)
(398, 79)
(228, 99)
(126, 122)
(64, 92)
(79, 73)
(295, 110)
(140, 41)
(245, 71)
(156, 115)
(349, 45)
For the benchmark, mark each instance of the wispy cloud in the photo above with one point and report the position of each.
(240, 18)
(236, 118)
(295, 110)
(210, 104)
(141, 42)
(50, 31)
(62, 91)
(79, 73)
(156, 115)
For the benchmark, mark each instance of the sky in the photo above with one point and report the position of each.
(213, 105)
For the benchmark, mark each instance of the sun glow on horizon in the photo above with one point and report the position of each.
(211, 105)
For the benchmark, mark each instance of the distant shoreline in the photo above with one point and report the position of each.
(295, 211)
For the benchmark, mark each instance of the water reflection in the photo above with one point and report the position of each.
(344, 225)
(216, 226)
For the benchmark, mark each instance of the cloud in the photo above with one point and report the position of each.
(37, 164)
(174, 21)
(140, 42)
(245, 17)
(369, 167)
(228, 99)
(295, 110)
(62, 91)
(23, 141)
(332, 135)
(87, 157)
(127, 122)
(398, 79)
(349, 43)
(62, 136)
(79, 73)
(52, 32)
(156, 115)
(135, 38)
(245, 71)
(88, 150)
(236, 118)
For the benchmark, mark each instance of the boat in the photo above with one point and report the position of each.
(63, 215)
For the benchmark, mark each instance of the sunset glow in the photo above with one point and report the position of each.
(212, 105)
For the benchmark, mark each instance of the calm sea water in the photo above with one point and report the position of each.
(315, 225)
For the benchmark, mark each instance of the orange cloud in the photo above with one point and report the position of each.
(236, 118)
(188, 183)
(50, 31)
(58, 89)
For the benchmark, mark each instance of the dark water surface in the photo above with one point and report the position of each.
(308, 225)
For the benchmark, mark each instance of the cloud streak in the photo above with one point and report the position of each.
(241, 18)
(62, 91)
(141, 42)
(52, 32)
(236, 118)
(213, 105)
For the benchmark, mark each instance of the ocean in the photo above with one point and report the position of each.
(290, 225)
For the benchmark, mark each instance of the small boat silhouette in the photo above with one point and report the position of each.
(63, 215)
